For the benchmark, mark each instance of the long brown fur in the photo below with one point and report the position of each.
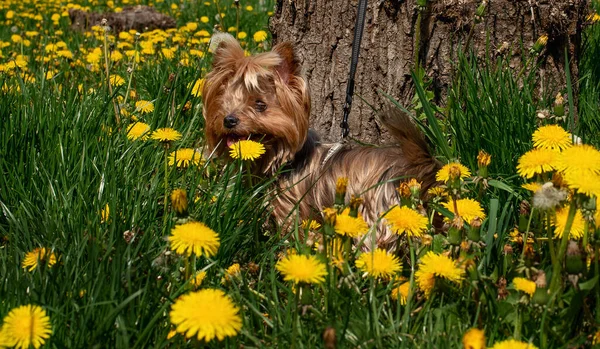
(239, 86)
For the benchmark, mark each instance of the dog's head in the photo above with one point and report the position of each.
(260, 97)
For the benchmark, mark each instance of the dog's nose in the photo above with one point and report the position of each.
(230, 121)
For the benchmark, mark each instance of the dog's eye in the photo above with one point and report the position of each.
(260, 106)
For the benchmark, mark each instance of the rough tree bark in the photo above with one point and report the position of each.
(322, 32)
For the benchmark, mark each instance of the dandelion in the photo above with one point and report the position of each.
(194, 238)
(524, 285)
(197, 88)
(560, 222)
(144, 106)
(232, 272)
(206, 314)
(404, 220)
(184, 157)
(37, 256)
(401, 293)
(445, 173)
(537, 161)
(204, 19)
(26, 326)
(468, 209)
(347, 225)
(434, 265)
(138, 130)
(552, 137)
(533, 187)
(548, 196)
(579, 160)
(166, 135)
(474, 338)
(260, 36)
(179, 201)
(437, 192)
(588, 184)
(105, 214)
(379, 264)
(116, 80)
(483, 159)
(310, 225)
(198, 278)
(302, 269)
(246, 150)
(513, 344)
(242, 35)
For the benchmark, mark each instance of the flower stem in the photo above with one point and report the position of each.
(406, 319)
(557, 266)
(166, 199)
(295, 319)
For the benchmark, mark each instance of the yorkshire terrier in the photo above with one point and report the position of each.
(265, 98)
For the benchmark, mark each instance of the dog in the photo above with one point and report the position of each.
(265, 98)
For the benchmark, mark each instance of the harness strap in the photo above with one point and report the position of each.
(358, 32)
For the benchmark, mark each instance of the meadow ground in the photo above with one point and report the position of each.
(116, 231)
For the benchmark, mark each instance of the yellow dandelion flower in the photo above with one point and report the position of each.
(194, 238)
(468, 209)
(105, 214)
(204, 19)
(444, 174)
(561, 221)
(537, 161)
(116, 80)
(379, 264)
(198, 278)
(474, 338)
(232, 272)
(434, 265)
(524, 285)
(401, 292)
(260, 36)
(404, 220)
(483, 158)
(552, 137)
(579, 160)
(166, 135)
(533, 187)
(179, 201)
(584, 183)
(206, 314)
(246, 150)
(437, 192)
(302, 269)
(144, 106)
(242, 35)
(350, 226)
(36, 256)
(138, 130)
(27, 326)
(197, 88)
(311, 225)
(513, 344)
(185, 157)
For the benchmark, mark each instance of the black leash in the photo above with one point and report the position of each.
(358, 32)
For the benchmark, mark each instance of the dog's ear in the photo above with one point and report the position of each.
(226, 49)
(289, 65)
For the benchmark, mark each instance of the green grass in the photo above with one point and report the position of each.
(64, 158)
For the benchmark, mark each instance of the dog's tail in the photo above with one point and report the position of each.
(420, 162)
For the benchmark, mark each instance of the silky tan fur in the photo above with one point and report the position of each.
(307, 175)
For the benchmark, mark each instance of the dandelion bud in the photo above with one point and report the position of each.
(540, 296)
(415, 188)
(559, 105)
(524, 210)
(540, 44)
(179, 201)
(355, 202)
(455, 231)
(329, 218)
(480, 11)
(483, 161)
(330, 338)
(340, 190)
(575, 262)
(427, 239)
(404, 193)
(474, 231)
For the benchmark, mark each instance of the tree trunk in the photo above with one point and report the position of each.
(322, 32)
